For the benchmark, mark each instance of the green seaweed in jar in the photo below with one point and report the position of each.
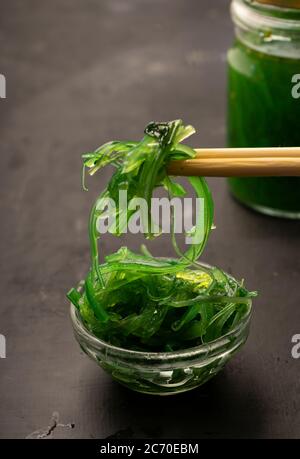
(264, 98)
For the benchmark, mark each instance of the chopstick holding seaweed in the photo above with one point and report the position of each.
(240, 162)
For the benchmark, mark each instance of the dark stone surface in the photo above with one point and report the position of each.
(79, 73)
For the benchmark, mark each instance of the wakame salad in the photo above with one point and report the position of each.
(135, 300)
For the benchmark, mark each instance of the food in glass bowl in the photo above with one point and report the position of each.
(158, 325)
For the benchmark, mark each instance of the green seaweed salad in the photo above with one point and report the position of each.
(134, 300)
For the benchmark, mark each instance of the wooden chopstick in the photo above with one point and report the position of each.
(240, 162)
(248, 152)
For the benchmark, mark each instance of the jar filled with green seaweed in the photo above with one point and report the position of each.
(264, 96)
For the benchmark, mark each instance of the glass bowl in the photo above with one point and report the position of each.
(162, 373)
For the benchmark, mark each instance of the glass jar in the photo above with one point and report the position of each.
(162, 373)
(264, 96)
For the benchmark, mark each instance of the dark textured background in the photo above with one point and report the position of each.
(79, 73)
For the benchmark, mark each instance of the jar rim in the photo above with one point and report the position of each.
(267, 29)
(254, 15)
